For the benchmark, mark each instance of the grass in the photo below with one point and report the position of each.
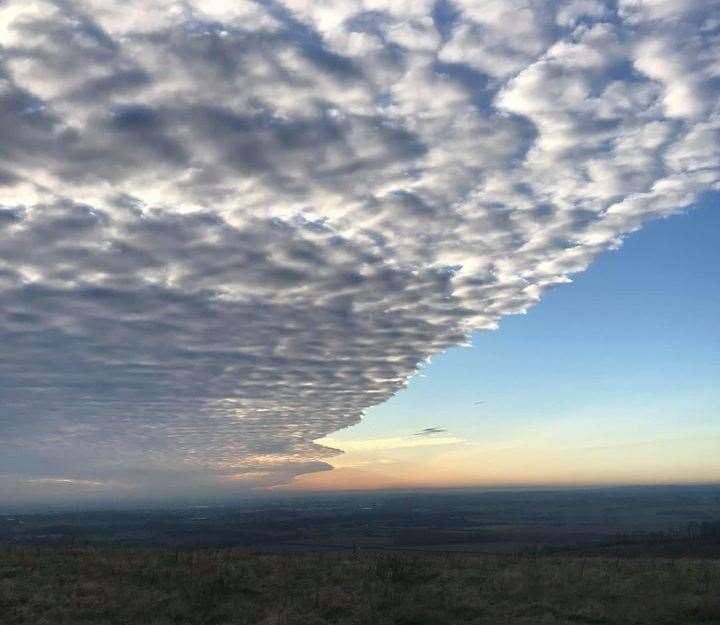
(94, 586)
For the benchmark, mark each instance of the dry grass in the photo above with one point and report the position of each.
(46, 586)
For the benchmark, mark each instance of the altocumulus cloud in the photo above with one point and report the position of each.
(227, 228)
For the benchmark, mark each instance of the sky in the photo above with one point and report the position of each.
(231, 230)
(596, 385)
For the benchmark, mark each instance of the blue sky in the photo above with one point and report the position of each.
(632, 345)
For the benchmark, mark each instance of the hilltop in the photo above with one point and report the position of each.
(139, 586)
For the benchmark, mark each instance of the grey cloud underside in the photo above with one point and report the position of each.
(228, 228)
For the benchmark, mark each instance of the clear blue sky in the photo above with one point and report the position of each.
(628, 354)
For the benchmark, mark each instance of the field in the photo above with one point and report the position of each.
(139, 586)
(603, 556)
(657, 521)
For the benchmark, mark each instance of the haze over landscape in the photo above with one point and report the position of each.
(231, 230)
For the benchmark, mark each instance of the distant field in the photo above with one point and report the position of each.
(658, 521)
(134, 586)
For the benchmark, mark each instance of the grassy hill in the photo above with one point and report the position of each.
(129, 586)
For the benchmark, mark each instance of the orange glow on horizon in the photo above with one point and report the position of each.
(469, 465)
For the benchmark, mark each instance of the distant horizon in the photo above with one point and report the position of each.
(279, 496)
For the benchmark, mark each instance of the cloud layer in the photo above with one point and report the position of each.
(227, 228)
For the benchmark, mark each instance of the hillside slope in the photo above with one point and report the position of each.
(108, 586)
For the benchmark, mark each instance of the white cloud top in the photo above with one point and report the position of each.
(227, 228)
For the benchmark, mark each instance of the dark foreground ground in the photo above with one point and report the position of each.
(139, 586)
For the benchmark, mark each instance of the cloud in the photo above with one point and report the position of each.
(226, 229)
(394, 442)
(429, 432)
